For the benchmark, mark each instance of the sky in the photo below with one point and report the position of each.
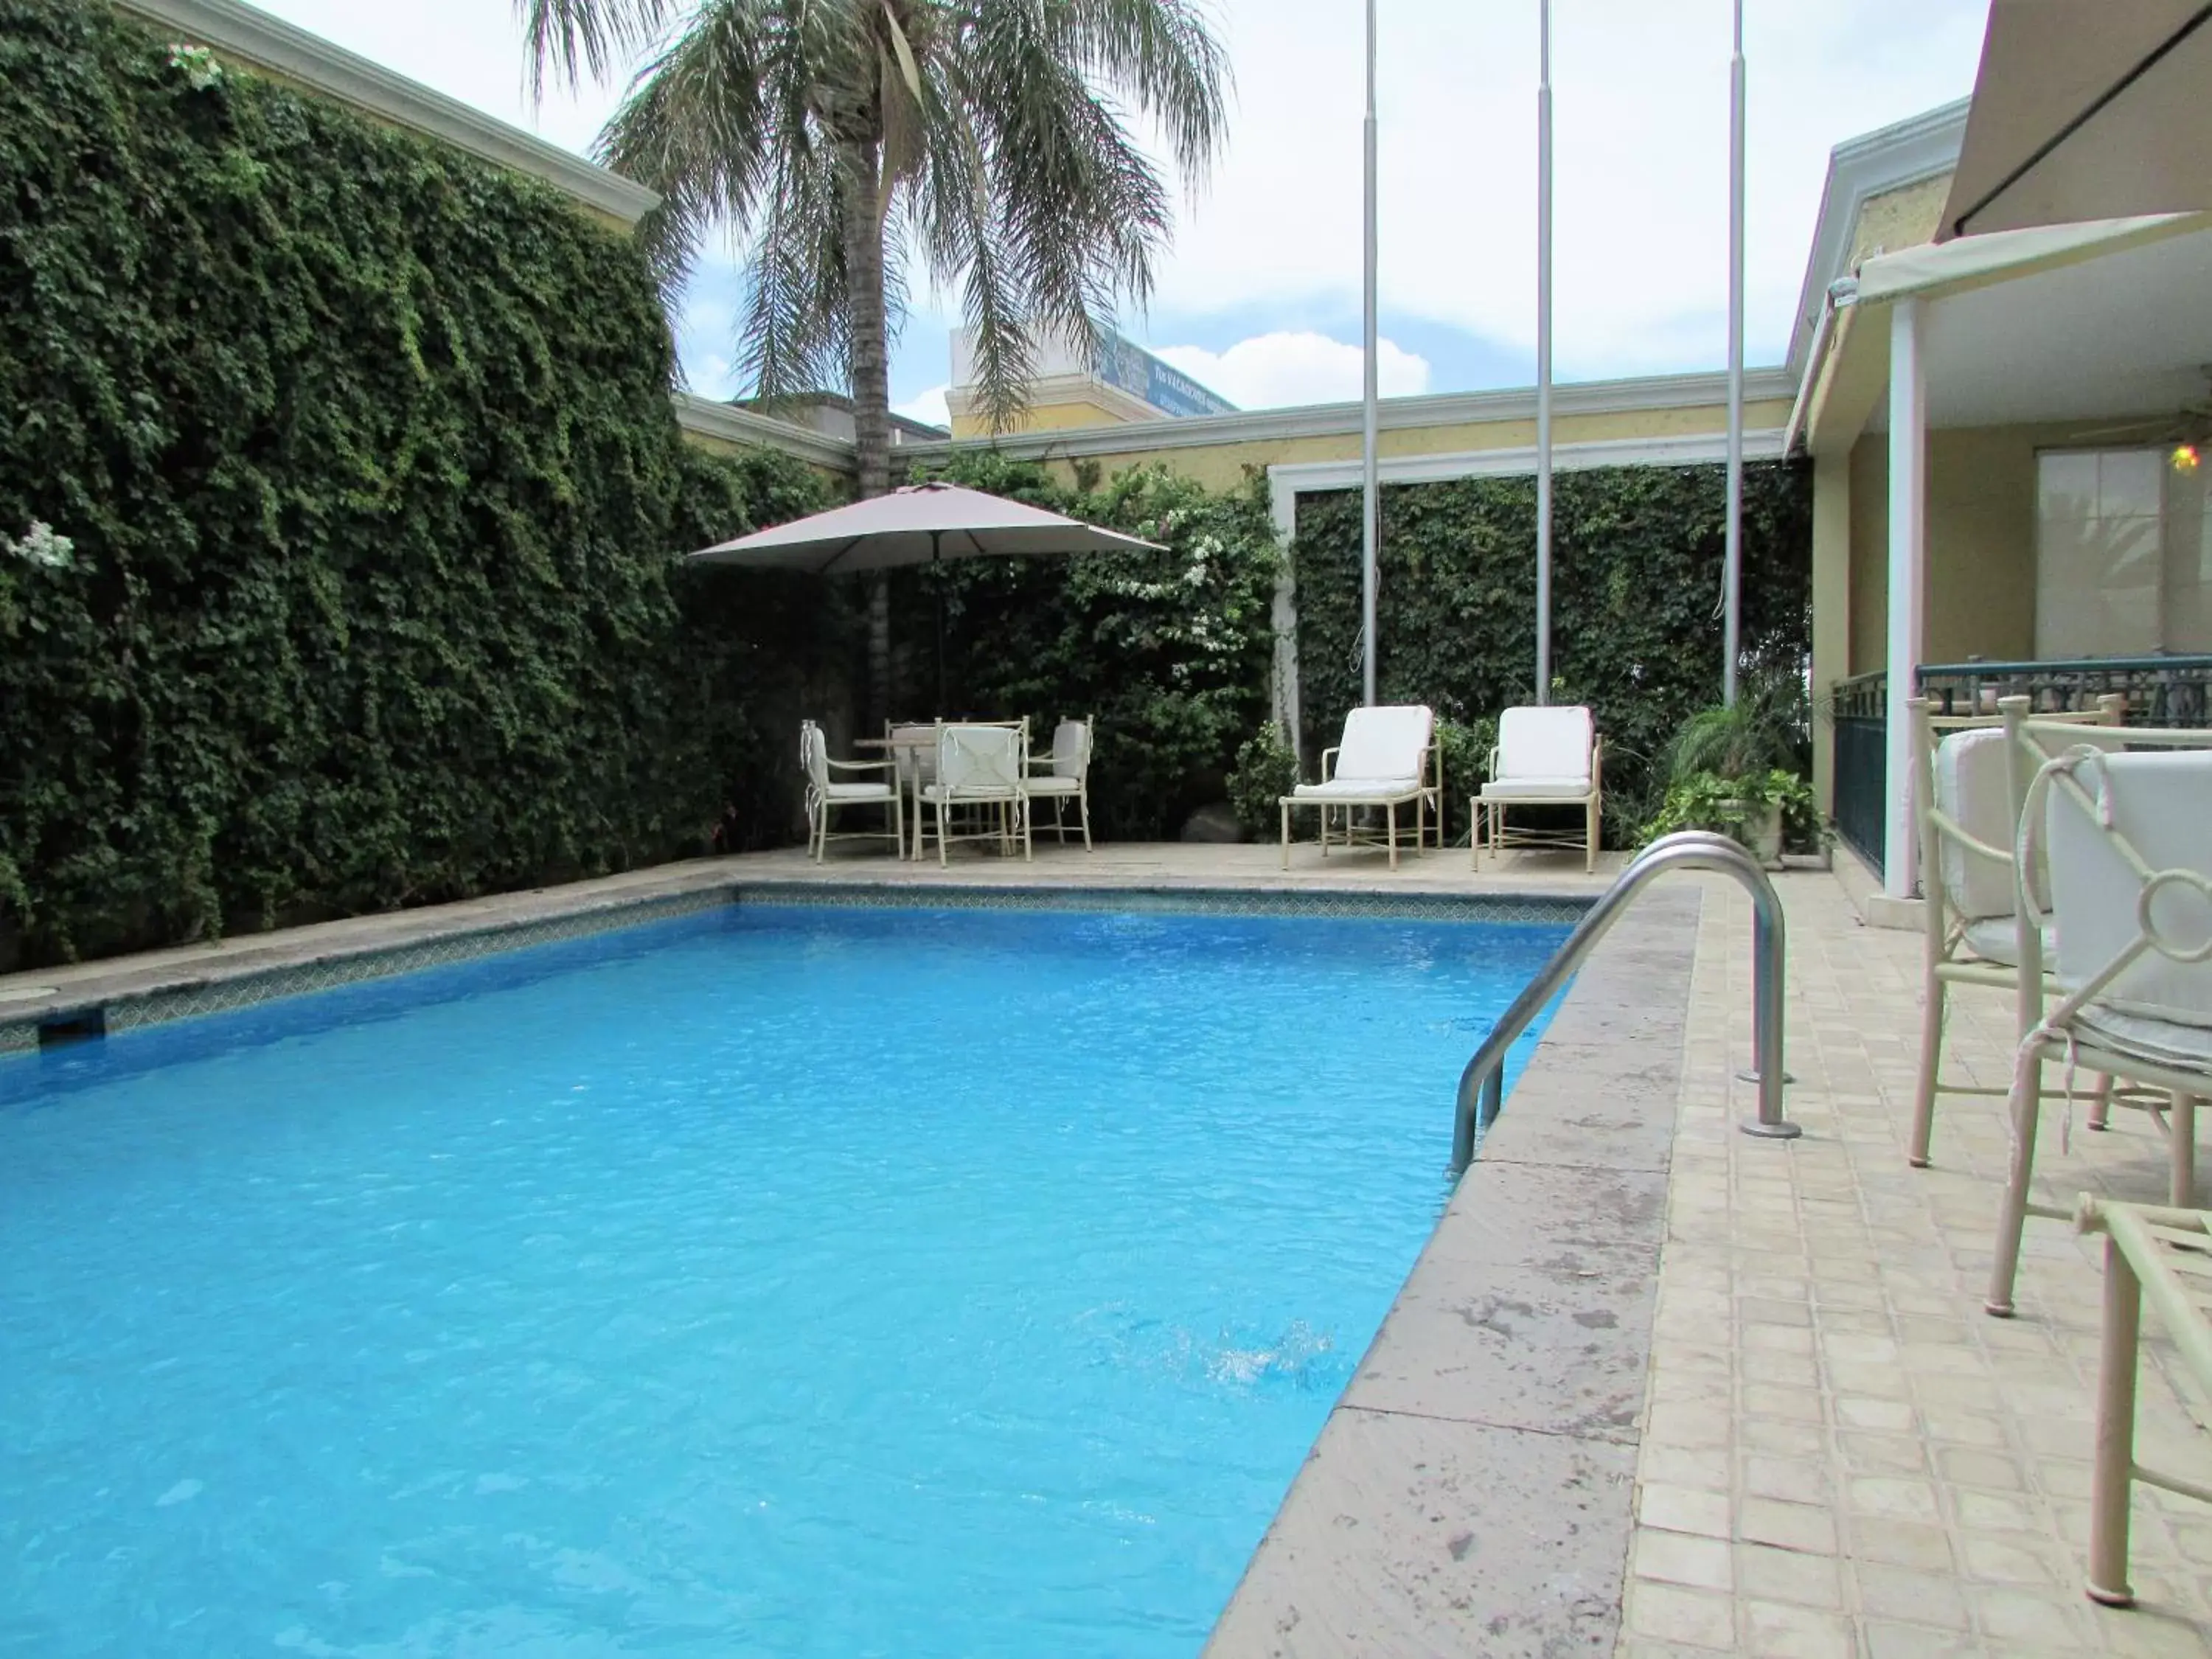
(1259, 297)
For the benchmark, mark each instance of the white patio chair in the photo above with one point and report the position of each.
(981, 766)
(1387, 759)
(1966, 797)
(1550, 756)
(824, 794)
(2129, 839)
(1066, 776)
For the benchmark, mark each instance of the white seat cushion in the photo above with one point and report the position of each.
(2160, 1042)
(1051, 785)
(1360, 789)
(1386, 741)
(1997, 939)
(953, 797)
(1544, 789)
(857, 791)
(1548, 743)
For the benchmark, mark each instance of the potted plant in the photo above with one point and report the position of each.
(1740, 771)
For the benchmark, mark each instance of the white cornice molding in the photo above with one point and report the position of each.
(1287, 482)
(733, 425)
(1396, 414)
(270, 43)
(1890, 158)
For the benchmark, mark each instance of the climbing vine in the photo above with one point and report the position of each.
(364, 458)
(1636, 562)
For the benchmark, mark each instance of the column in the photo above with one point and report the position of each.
(1908, 571)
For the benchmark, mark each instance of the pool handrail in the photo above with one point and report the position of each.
(1481, 1085)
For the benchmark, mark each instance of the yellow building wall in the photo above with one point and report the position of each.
(1222, 466)
(1070, 416)
(1831, 617)
(1901, 218)
(1980, 596)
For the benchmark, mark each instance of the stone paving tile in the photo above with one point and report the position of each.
(1891, 1472)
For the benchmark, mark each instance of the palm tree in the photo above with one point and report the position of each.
(843, 141)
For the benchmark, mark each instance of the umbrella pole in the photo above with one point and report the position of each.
(937, 587)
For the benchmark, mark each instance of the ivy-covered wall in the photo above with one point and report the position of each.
(1170, 651)
(1636, 587)
(366, 456)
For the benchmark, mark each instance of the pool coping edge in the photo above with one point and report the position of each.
(1473, 1488)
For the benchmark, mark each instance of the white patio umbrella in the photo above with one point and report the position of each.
(920, 524)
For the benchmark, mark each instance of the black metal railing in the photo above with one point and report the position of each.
(2159, 690)
(1860, 709)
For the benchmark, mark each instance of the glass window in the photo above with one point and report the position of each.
(2124, 554)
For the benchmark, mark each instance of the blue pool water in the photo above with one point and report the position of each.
(776, 1281)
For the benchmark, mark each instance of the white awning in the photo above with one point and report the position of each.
(1934, 270)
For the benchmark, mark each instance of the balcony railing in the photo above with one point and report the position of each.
(2159, 690)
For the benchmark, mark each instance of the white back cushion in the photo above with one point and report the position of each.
(814, 754)
(1545, 742)
(1071, 749)
(1386, 741)
(1972, 790)
(979, 757)
(2161, 804)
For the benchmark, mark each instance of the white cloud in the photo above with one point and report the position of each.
(929, 407)
(1270, 371)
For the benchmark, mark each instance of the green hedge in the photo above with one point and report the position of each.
(1170, 651)
(1636, 633)
(367, 455)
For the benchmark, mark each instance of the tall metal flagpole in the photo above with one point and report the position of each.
(1732, 597)
(1544, 352)
(1370, 522)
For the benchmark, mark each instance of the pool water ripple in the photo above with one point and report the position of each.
(785, 1282)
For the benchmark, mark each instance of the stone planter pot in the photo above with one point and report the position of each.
(1762, 830)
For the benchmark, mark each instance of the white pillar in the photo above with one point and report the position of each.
(1908, 569)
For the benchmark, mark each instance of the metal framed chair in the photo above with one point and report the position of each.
(1067, 777)
(2130, 894)
(1968, 809)
(981, 766)
(826, 795)
(1548, 756)
(1389, 758)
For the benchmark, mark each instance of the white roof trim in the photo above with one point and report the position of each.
(312, 61)
(1908, 153)
(742, 426)
(1396, 415)
(1286, 482)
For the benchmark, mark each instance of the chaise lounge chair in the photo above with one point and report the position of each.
(1387, 760)
(1544, 757)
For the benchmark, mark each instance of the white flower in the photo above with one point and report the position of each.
(42, 546)
(198, 64)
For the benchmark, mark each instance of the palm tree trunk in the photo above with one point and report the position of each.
(870, 372)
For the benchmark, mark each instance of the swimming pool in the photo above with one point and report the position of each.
(776, 1280)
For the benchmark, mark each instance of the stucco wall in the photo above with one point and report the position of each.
(1980, 596)
(1901, 218)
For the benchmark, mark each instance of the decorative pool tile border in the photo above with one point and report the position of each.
(249, 987)
(1533, 908)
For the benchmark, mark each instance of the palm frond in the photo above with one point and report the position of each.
(585, 39)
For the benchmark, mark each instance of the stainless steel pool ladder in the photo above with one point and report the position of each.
(1482, 1083)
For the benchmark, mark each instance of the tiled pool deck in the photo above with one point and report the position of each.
(1831, 1450)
